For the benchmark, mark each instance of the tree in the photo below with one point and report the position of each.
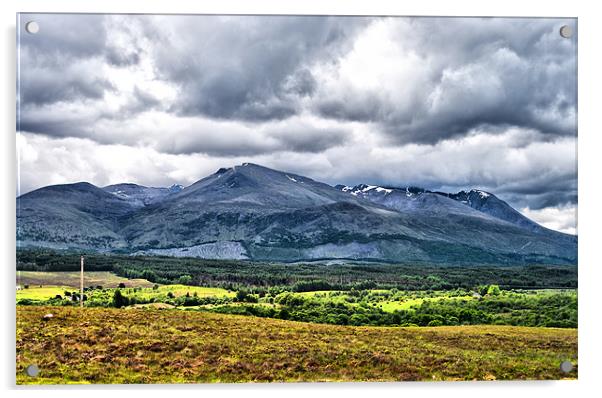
(482, 290)
(185, 279)
(493, 290)
(119, 300)
(241, 295)
(149, 275)
(122, 285)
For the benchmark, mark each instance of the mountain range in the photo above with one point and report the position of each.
(256, 213)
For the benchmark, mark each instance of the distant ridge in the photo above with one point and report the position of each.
(254, 212)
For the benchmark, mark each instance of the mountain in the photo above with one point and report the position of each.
(253, 212)
(71, 215)
(489, 204)
(463, 202)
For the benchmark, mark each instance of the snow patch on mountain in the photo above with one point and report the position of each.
(482, 194)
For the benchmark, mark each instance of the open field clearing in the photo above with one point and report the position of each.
(71, 279)
(41, 293)
(408, 302)
(104, 296)
(182, 290)
(390, 306)
(98, 345)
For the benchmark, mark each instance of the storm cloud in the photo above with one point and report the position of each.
(426, 80)
(442, 103)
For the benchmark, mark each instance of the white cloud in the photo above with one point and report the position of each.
(563, 219)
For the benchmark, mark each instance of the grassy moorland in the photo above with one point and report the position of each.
(71, 279)
(107, 345)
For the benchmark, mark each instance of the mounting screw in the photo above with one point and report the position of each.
(566, 366)
(32, 370)
(566, 31)
(32, 27)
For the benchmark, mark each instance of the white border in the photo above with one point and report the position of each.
(590, 275)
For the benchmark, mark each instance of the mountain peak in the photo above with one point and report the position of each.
(175, 188)
(60, 188)
(254, 166)
(482, 194)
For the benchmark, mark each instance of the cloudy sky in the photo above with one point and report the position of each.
(445, 104)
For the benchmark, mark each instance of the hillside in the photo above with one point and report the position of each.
(253, 212)
(154, 346)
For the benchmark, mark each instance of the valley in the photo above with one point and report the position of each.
(254, 274)
(182, 320)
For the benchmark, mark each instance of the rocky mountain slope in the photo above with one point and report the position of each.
(253, 212)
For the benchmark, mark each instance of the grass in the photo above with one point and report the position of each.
(71, 279)
(97, 345)
(177, 290)
(231, 305)
(41, 293)
(391, 306)
(37, 293)
(407, 303)
(182, 290)
(319, 293)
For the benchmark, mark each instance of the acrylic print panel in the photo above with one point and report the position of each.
(225, 199)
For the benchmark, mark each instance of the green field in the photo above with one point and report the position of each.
(484, 305)
(37, 295)
(405, 300)
(104, 345)
(182, 290)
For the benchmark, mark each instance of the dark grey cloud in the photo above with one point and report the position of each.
(227, 140)
(245, 68)
(542, 200)
(51, 67)
(64, 61)
(302, 137)
(118, 57)
(64, 37)
(548, 190)
(50, 86)
(142, 101)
